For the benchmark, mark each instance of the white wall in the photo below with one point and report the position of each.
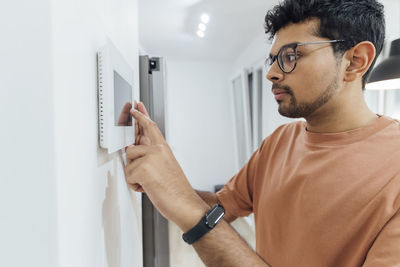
(99, 219)
(64, 201)
(200, 121)
(28, 218)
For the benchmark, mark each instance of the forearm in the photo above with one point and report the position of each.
(152, 166)
(222, 246)
(211, 199)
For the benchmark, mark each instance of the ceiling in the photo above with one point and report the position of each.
(168, 27)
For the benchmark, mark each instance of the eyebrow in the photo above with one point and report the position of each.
(271, 55)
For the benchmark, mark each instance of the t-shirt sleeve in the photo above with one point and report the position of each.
(385, 251)
(237, 195)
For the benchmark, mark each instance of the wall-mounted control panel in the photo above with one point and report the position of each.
(115, 98)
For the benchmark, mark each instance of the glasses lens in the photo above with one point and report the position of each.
(268, 62)
(287, 59)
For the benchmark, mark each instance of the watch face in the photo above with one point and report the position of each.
(214, 216)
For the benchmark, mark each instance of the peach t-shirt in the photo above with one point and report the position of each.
(323, 199)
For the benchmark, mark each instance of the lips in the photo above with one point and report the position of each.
(279, 93)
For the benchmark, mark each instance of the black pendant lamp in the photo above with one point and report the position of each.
(386, 75)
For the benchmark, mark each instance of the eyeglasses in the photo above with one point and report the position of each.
(287, 55)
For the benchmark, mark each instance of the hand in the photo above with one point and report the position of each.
(140, 138)
(153, 167)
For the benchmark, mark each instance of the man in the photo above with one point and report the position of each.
(325, 192)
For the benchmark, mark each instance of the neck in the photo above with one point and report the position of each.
(340, 114)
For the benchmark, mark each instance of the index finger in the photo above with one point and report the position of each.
(150, 128)
(135, 152)
(142, 108)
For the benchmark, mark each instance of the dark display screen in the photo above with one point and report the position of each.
(122, 101)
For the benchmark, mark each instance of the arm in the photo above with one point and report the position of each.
(222, 246)
(153, 169)
(211, 199)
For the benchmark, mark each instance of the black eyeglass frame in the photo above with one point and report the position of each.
(271, 59)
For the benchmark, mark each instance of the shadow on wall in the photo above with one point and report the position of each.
(136, 205)
(121, 217)
(111, 223)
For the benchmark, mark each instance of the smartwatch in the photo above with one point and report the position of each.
(205, 225)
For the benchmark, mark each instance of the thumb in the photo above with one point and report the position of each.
(150, 129)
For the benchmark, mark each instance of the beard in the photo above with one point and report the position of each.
(304, 110)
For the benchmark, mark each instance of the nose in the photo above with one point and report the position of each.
(275, 74)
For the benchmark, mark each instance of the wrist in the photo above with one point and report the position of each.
(205, 225)
(193, 216)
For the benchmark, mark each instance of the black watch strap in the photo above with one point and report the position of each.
(205, 225)
(196, 232)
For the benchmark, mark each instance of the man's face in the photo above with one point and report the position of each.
(313, 82)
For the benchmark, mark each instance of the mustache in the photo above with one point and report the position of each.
(282, 87)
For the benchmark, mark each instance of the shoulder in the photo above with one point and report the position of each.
(395, 123)
(288, 131)
(389, 136)
(285, 133)
(392, 128)
(294, 127)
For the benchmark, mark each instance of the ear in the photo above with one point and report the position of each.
(359, 60)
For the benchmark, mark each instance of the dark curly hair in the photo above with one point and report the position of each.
(351, 20)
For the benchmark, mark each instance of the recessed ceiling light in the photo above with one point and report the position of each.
(200, 33)
(202, 27)
(205, 18)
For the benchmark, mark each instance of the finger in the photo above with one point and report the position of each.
(144, 140)
(142, 108)
(136, 187)
(149, 128)
(135, 152)
(137, 128)
(127, 147)
(134, 171)
(140, 130)
(136, 132)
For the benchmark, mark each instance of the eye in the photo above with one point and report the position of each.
(291, 57)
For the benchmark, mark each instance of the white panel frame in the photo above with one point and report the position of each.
(112, 137)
